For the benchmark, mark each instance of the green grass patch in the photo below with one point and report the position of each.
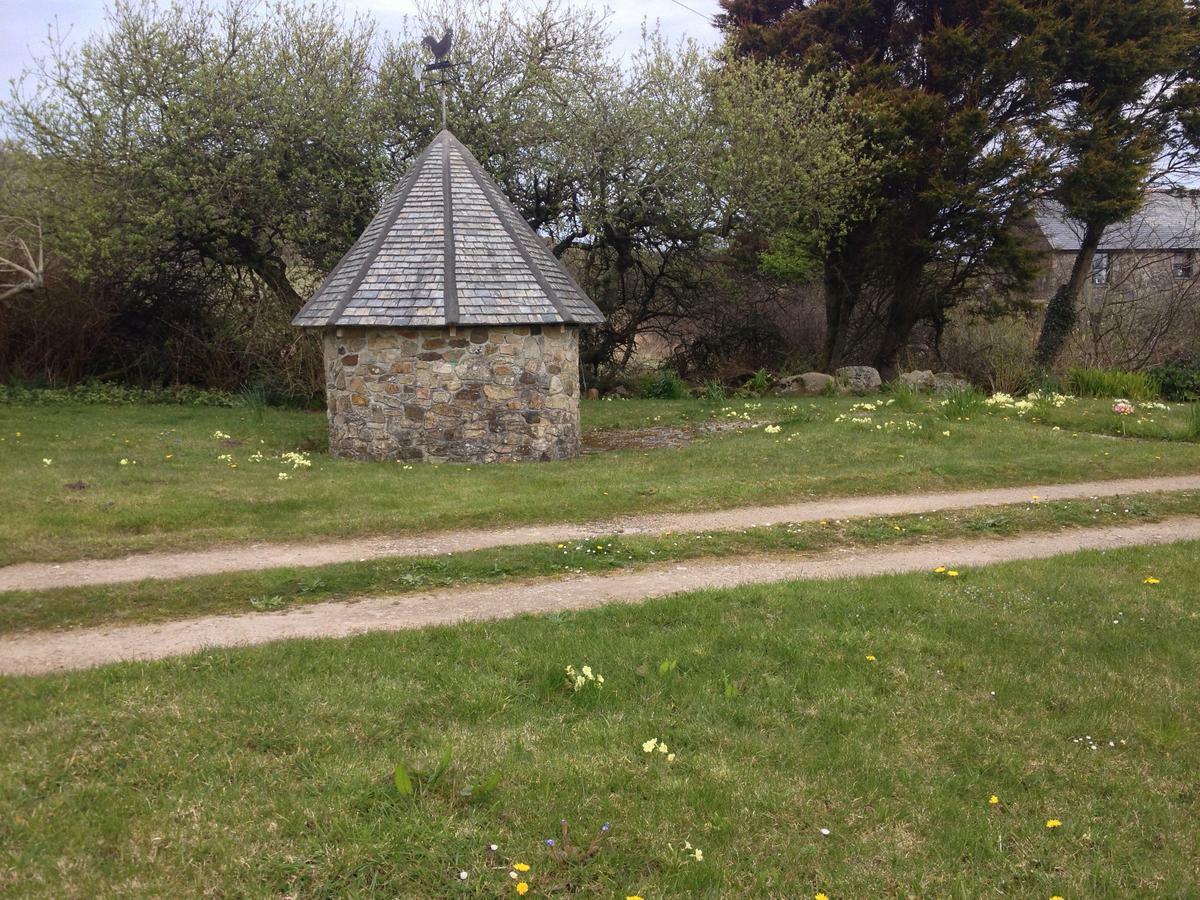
(276, 589)
(1065, 688)
(184, 485)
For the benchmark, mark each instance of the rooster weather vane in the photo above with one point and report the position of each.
(441, 65)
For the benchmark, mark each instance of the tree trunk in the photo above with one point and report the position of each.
(273, 272)
(1061, 311)
(843, 279)
(903, 312)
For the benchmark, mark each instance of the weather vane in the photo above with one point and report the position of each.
(441, 65)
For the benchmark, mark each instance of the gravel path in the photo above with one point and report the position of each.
(84, 648)
(248, 557)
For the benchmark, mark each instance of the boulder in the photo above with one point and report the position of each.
(810, 384)
(948, 382)
(859, 379)
(920, 380)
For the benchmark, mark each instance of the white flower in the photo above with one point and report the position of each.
(284, 476)
(825, 832)
(462, 876)
(124, 462)
(46, 462)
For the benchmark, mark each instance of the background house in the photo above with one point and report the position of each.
(1141, 300)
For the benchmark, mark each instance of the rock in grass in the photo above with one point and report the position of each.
(810, 384)
(920, 380)
(859, 379)
(948, 383)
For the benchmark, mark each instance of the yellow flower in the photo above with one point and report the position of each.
(939, 570)
(1150, 579)
(1053, 823)
(46, 462)
(522, 888)
(1056, 897)
(870, 658)
(951, 574)
(521, 867)
(821, 896)
(993, 799)
(634, 897)
(945, 434)
(649, 745)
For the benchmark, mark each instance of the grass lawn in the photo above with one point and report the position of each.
(183, 486)
(273, 589)
(886, 710)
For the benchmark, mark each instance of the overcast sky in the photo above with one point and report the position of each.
(26, 22)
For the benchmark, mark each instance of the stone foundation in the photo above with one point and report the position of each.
(471, 394)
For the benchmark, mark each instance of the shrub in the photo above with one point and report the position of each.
(1111, 383)
(714, 391)
(1179, 381)
(906, 397)
(662, 385)
(758, 383)
(96, 392)
(962, 403)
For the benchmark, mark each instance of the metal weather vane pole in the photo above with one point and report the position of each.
(441, 64)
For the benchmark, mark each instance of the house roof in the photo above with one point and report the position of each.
(1166, 221)
(447, 248)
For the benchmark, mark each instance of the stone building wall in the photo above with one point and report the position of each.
(471, 394)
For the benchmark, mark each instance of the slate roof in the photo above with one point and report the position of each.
(1166, 221)
(447, 248)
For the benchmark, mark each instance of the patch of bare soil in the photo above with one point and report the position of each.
(656, 437)
(85, 648)
(251, 557)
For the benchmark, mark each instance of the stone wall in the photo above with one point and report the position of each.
(475, 394)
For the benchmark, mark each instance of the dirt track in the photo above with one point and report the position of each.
(248, 557)
(56, 651)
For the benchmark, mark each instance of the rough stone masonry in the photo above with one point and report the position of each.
(481, 394)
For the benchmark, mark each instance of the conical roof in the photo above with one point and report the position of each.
(447, 248)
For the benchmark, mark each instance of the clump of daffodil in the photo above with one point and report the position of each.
(654, 744)
(581, 678)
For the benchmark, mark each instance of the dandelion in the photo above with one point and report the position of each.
(820, 895)
(1053, 823)
(1150, 579)
(522, 888)
(952, 574)
(521, 867)
(634, 897)
(940, 570)
(993, 800)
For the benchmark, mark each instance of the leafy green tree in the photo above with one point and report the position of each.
(1118, 66)
(947, 90)
(237, 136)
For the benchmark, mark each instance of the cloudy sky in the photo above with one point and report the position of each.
(26, 23)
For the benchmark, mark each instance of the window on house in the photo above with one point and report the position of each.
(1101, 268)
(1183, 265)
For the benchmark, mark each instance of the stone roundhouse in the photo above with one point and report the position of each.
(451, 332)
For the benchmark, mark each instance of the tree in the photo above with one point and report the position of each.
(239, 138)
(1118, 65)
(946, 89)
